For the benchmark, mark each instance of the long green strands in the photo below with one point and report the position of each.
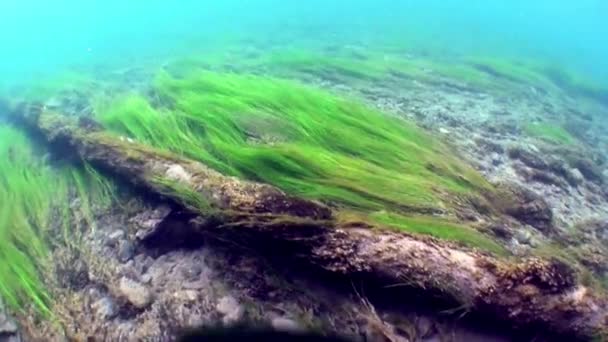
(303, 140)
(36, 208)
(26, 190)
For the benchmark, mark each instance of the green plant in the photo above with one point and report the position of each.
(307, 142)
(303, 140)
(35, 210)
(549, 132)
(442, 229)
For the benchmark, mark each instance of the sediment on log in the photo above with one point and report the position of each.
(531, 293)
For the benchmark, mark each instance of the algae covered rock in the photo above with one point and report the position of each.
(135, 293)
(526, 206)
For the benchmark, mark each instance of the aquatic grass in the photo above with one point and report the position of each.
(574, 83)
(439, 228)
(549, 132)
(332, 67)
(37, 213)
(191, 199)
(25, 193)
(304, 140)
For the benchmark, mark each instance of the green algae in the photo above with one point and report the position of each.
(190, 198)
(549, 132)
(36, 214)
(307, 142)
(321, 146)
(439, 228)
(25, 189)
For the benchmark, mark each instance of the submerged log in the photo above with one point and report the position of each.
(532, 293)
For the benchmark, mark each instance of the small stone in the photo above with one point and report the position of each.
(192, 273)
(7, 325)
(125, 251)
(146, 278)
(523, 236)
(425, 327)
(176, 172)
(187, 295)
(104, 308)
(114, 237)
(286, 324)
(230, 309)
(577, 176)
(149, 221)
(496, 159)
(134, 292)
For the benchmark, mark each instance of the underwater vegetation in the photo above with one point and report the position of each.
(549, 132)
(305, 141)
(441, 229)
(37, 213)
(484, 73)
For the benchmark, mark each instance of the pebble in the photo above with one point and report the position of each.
(178, 173)
(104, 308)
(523, 236)
(286, 324)
(496, 159)
(192, 273)
(424, 327)
(135, 292)
(146, 278)
(7, 325)
(230, 309)
(125, 251)
(114, 237)
(577, 176)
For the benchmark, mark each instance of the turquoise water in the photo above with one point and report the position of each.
(41, 35)
(293, 94)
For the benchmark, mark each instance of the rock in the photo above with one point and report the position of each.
(536, 175)
(500, 230)
(496, 159)
(7, 325)
(148, 221)
(594, 229)
(135, 293)
(425, 327)
(186, 295)
(146, 278)
(104, 308)
(176, 172)
(125, 250)
(528, 208)
(114, 237)
(536, 213)
(587, 168)
(73, 274)
(192, 273)
(576, 176)
(230, 309)
(523, 236)
(286, 324)
(528, 157)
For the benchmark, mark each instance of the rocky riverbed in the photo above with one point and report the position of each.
(137, 278)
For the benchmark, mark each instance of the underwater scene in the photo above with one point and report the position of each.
(393, 171)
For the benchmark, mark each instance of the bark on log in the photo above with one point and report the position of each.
(529, 293)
